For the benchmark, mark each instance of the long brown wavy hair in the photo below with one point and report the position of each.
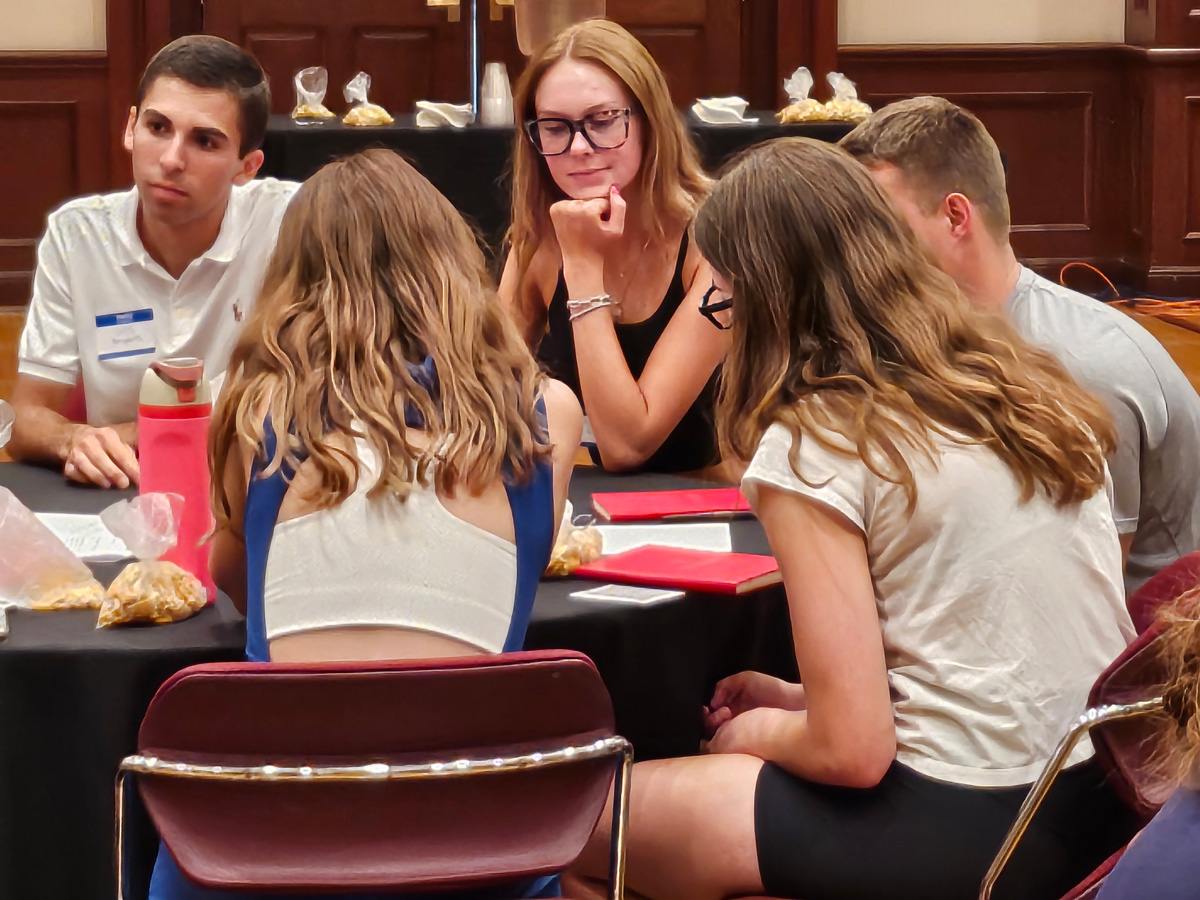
(671, 182)
(834, 301)
(374, 271)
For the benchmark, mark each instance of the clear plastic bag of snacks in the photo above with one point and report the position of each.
(845, 105)
(577, 544)
(311, 85)
(362, 111)
(150, 589)
(37, 570)
(802, 108)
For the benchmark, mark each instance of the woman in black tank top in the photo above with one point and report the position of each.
(600, 272)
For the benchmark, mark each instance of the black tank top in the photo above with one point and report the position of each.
(692, 444)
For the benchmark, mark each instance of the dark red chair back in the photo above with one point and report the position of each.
(1165, 587)
(434, 833)
(1126, 748)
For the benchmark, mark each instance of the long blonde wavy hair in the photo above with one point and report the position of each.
(1178, 752)
(671, 182)
(834, 301)
(374, 270)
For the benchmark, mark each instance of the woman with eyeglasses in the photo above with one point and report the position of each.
(935, 492)
(600, 273)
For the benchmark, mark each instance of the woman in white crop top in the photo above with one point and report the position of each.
(935, 492)
(389, 465)
(385, 446)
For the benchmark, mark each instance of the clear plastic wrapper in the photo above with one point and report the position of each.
(802, 108)
(37, 571)
(149, 590)
(845, 105)
(362, 111)
(578, 542)
(311, 86)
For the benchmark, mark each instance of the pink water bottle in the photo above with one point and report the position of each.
(174, 409)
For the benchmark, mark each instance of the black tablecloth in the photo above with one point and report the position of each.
(470, 165)
(71, 696)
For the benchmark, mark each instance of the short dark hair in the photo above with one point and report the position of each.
(209, 62)
(941, 149)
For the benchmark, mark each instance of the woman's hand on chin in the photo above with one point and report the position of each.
(584, 228)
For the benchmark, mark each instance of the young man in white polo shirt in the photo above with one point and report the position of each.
(168, 268)
(943, 172)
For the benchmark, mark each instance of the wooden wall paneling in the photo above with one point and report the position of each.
(1162, 23)
(1168, 80)
(1059, 114)
(128, 28)
(54, 114)
(760, 28)
(411, 51)
(699, 44)
(807, 36)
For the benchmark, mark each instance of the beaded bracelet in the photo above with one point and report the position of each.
(577, 308)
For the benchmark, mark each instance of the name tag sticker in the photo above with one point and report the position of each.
(125, 334)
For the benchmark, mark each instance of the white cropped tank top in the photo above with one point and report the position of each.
(383, 562)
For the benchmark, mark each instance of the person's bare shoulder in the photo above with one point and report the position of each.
(564, 415)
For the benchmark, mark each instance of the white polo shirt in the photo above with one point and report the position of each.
(103, 308)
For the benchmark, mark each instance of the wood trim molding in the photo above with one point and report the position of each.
(52, 62)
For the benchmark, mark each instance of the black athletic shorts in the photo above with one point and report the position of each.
(914, 838)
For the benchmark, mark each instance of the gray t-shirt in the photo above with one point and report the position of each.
(1156, 466)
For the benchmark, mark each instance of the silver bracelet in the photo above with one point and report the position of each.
(577, 308)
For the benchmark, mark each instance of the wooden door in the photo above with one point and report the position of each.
(698, 43)
(411, 51)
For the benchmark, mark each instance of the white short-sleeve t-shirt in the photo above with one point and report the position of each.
(103, 309)
(997, 615)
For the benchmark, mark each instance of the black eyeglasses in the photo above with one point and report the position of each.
(607, 129)
(719, 313)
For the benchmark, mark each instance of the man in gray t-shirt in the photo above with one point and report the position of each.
(942, 171)
(1156, 467)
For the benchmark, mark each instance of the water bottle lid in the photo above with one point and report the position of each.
(175, 382)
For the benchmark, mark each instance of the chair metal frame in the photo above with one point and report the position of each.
(383, 772)
(1100, 715)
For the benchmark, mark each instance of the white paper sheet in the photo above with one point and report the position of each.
(85, 536)
(689, 536)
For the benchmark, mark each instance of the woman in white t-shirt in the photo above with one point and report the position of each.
(935, 492)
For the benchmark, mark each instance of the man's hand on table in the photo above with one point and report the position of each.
(105, 457)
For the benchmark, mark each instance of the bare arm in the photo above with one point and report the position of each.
(527, 299)
(101, 456)
(631, 417)
(846, 735)
(564, 421)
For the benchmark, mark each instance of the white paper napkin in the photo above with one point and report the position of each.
(722, 111)
(439, 115)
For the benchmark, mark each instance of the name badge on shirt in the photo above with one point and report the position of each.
(125, 334)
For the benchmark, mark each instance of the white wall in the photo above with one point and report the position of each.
(980, 21)
(52, 24)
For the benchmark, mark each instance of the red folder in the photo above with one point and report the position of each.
(636, 506)
(689, 570)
